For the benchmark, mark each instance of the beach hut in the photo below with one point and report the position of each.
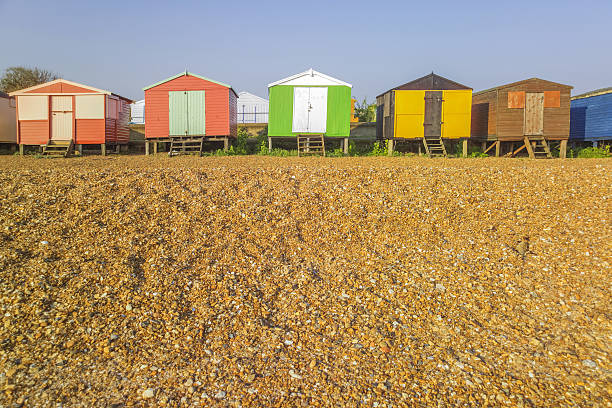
(528, 114)
(61, 114)
(310, 106)
(137, 111)
(252, 108)
(430, 110)
(186, 110)
(8, 126)
(591, 116)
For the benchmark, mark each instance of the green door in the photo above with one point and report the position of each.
(178, 125)
(196, 113)
(187, 115)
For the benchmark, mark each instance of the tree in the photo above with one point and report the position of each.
(365, 112)
(16, 78)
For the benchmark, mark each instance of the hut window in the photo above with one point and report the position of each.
(516, 100)
(89, 107)
(33, 107)
(552, 99)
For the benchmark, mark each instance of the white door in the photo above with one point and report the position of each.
(309, 110)
(61, 117)
(317, 119)
(300, 109)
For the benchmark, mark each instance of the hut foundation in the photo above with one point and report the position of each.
(563, 149)
(390, 147)
(346, 146)
(465, 148)
(269, 143)
(103, 148)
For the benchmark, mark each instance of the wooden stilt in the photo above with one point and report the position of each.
(497, 148)
(420, 151)
(155, 147)
(226, 144)
(269, 143)
(103, 148)
(21, 149)
(146, 148)
(118, 149)
(345, 148)
(529, 148)
(563, 149)
(390, 147)
(465, 147)
(80, 149)
(511, 148)
(483, 146)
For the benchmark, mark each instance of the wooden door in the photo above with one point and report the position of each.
(61, 117)
(301, 96)
(432, 126)
(317, 114)
(196, 113)
(534, 114)
(177, 113)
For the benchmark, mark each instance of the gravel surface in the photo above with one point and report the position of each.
(257, 281)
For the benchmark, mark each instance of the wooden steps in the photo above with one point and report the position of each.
(434, 146)
(186, 145)
(537, 147)
(311, 145)
(57, 148)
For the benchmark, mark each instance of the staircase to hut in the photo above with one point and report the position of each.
(311, 145)
(185, 145)
(57, 148)
(434, 146)
(538, 148)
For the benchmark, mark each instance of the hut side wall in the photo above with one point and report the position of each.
(591, 118)
(216, 106)
(510, 121)
(233, 115)
(484, 119)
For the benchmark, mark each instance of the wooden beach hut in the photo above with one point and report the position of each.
(186, 110)
(309, 106)
(8, 125)
(61, 114)
(526, 115)
(591, 116)
(430, 110)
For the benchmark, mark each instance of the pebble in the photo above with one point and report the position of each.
(313, 292)
(148, 393)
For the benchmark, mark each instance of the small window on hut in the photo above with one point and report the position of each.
(516, 100)
(552, 99)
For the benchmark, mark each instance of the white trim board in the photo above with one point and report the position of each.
(310, 78)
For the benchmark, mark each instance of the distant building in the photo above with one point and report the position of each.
(137, 110)
(252, 108)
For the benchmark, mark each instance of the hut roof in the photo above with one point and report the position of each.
(521, 82)
(26, 91)
(428, 82)
(596, 92)
(310, 77)
(185, 73)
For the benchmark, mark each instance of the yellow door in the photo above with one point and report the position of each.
(456, 114)
(61, 118)
(409, 114)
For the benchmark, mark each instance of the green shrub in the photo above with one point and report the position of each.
(592, 152)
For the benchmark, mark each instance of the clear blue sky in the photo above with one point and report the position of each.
(123, 46)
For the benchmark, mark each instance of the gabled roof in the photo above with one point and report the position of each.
(521, 82)
(596, 92)
(310, 77)
(430, 82)
(186, 73)
(91, 89)
(252, 96)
